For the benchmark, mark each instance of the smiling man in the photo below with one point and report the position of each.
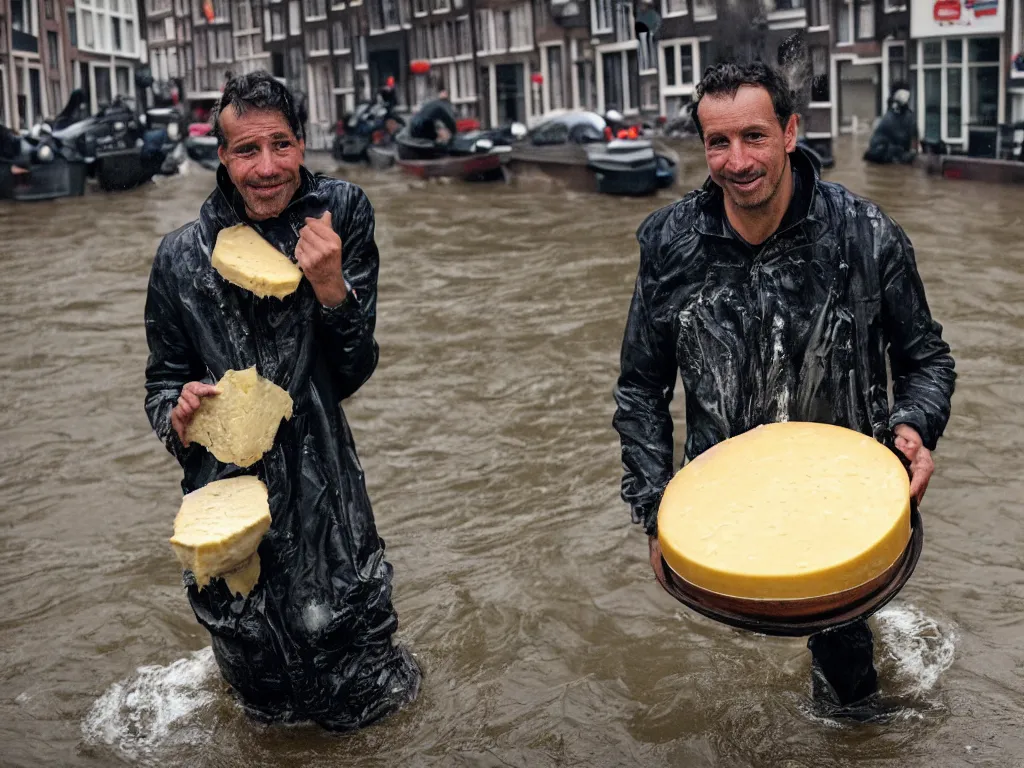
(314, 639)
(777, 297)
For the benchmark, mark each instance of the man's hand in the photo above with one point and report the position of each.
(908, 442)
(319, 256)
(188, 403)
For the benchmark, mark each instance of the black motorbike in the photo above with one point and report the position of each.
(371, 123)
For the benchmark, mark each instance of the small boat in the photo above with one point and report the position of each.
(471, 157)
(39, 166)
(370, 123)
(579, 148)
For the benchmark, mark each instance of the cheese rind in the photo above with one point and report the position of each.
(786, 511)
(218, 529)
(244, 258)
(239, 424)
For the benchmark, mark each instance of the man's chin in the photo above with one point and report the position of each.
(260, 207)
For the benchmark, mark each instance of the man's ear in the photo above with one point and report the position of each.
(221, 153)
(790, 133)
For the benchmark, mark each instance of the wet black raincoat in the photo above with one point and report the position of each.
(313, 640)
(796, 329)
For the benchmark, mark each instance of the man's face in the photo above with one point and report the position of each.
(745, 146)
(262, 157)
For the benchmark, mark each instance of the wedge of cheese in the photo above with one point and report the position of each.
(218, 529)
(239, 425)
(786, 511)
(244, 258)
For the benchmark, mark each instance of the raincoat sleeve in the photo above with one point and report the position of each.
(645, 387)
(346, 332)
(172, 361)
(922, 367)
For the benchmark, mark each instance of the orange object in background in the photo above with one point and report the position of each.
(208, 11)
(467, 124)
(632, 133)
(419, 66)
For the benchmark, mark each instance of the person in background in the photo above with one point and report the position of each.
(777, 297)
(387, 96)
(895, 138)
(435, 120)
(315, 639)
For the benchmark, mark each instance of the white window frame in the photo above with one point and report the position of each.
(859, 33)
(621, 50)
(101, 19)
(545, 71)
(318, 35)
(851, 10)
(965, 66)
(666, 91)
(315, 17)
(595, 17)
(665, 14)
(522, 25)
(294, 18)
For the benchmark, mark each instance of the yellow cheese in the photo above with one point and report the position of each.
(793, 510)
(218, 529)
(244, 258)
(239, 425)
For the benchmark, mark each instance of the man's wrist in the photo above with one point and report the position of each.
(335, 299)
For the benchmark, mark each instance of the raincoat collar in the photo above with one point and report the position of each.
(711, 211)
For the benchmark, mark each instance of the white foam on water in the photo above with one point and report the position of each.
(920, 646)
(155, 706)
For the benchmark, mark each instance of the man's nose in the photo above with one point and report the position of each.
(738, 158)
(265, 166)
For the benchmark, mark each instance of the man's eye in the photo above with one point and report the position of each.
(755, 136)
(245, 150)
(283, 144)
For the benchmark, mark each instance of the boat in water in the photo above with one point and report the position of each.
(472, 156)
(581, 148)
(371, 123)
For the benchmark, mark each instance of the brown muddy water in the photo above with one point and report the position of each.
(486, 439)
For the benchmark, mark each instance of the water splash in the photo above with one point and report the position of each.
(920, 647)
(153, 707)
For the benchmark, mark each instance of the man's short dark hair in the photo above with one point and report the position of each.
(726, 78)
(257, 90)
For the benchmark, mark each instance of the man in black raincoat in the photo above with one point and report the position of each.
(776, 296)
(895, 138)
(314, 639)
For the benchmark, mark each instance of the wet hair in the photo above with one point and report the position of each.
(725, 79)
(257, 90)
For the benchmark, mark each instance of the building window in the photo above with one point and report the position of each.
(339, 36)
(601, 16)
(317, 42)
(621, 76)
(556, 79)
(520, 20)
(294, 18)
(866, 20)
(820, 8)
(844, 34)
(673, 7)
(704, 10)
(48, 8)
(343, 74)
(897, 66)
(53, 51)
(442, 6)
(420, 8)
(819, 75)
(953, 83)
(463, 37)
(624, 29)
(315, 9)
(464, 83)
(360, 51)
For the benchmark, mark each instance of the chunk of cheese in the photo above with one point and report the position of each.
(218, 529)
(786, 511)
(244, 258)
(239, 425)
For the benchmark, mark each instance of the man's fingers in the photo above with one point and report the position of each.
(200, 389)
(918, 485)
(189, 400)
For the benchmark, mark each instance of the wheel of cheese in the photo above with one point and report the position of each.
(218, 529)
(244, 258)
(786, 511)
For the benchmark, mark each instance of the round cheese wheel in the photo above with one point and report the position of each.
(786, 511)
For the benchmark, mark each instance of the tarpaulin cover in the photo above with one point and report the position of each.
(314, 639)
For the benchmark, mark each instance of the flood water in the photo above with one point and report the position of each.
(486, 437)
